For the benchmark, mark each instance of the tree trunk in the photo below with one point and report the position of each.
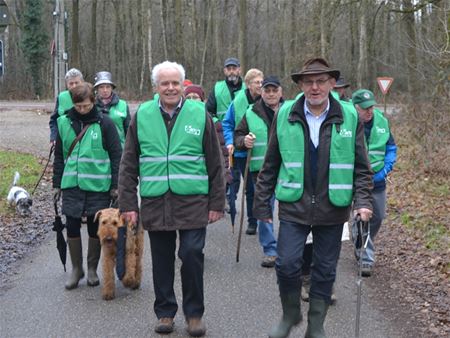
(242, 34)
(93, 46)
(179, 53)
(75, 57)
(362, 62)
(205, 44)
(163, 28)
(411, 58)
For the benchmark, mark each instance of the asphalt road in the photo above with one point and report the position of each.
(241, 298)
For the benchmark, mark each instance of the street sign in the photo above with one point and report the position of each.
(385, 83)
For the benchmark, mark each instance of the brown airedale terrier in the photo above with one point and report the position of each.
(109, 222)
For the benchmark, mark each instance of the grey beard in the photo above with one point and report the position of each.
(233, 78)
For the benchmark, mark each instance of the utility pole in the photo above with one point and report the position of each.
(4, 21)
(58, 49)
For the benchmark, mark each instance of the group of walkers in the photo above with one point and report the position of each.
(173, 165)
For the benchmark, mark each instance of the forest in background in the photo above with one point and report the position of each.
(405, 39)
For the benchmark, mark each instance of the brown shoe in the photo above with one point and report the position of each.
(195, 327)
(165, 325)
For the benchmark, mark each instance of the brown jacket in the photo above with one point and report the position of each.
(314, 207)
(171, 211)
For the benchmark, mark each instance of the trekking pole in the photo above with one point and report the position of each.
(363, 228)
(241, 220)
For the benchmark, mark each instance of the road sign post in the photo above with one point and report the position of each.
(385, 83)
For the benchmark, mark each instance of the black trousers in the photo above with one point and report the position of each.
(163, 246)
(73, 226)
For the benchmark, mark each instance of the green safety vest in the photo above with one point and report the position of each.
(290, 183)
(379, 136)
(118, 113)
(88, 166)
(240, 104)
(64, 102)
(258, 127)
(223, 98)
(176, 163)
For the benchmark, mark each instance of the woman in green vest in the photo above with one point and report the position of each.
(64, 100)
(85, 171)
(108, 102)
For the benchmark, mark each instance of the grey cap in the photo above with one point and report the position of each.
(231, 62)
(103, 78)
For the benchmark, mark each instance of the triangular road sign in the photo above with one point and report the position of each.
(385, 83)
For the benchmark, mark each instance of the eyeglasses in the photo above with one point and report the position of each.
(318, 82)
(193, 96)
(258, 82)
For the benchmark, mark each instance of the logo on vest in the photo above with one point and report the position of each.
(380, 130)
(345, 133)
(191, 130)
(94, 135)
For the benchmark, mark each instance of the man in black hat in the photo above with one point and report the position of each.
(317, 165)
(253, 133)
(224, 91)
(340, 88)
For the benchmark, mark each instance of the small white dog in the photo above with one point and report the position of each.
(19, 198)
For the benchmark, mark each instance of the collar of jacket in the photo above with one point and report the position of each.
(114, 100)
(260, 110)
(334, 113)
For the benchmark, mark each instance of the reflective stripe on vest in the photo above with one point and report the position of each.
(118, 113)
(64, 102)
(89, 166)
(379, 136)
(258, 127)
(291, 140)
(177, 163)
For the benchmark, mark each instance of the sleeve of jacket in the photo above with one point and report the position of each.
(214, 166)
(52, 123)
(112, 145)
(58, 162)
(267, 177)
(239, 134)
(211, 104)
(389, 160)
(228, 125)
(362, 175)
(129, 171)
(126, 122)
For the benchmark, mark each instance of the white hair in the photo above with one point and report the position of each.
(167, 65)
(73, 72)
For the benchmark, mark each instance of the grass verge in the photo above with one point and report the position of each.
(29, 169)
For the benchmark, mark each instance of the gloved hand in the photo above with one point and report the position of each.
(114, 194)
(56, 194)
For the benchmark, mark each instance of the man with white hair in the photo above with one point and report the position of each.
(64, 101)
(173, 153)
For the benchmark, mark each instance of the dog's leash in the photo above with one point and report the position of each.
(52, 148)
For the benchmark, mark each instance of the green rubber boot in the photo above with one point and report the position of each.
(93, 257)
(292, 315)
(316, 316)
(76, 256)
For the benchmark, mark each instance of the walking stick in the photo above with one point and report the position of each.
(241, 220)
(363, 231)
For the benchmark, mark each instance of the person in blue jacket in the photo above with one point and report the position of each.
(236, 111)
(382, 152)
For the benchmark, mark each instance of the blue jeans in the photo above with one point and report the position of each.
(163, 245)
(267, 235)
(326, 249)
(379, 211)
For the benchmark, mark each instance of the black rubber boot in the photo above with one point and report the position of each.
(292, 315)
(76, 256)
(93, 257)
(316, 316)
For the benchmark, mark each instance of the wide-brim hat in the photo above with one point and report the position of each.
(340, 83)
(315, 66)
(103, 78)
